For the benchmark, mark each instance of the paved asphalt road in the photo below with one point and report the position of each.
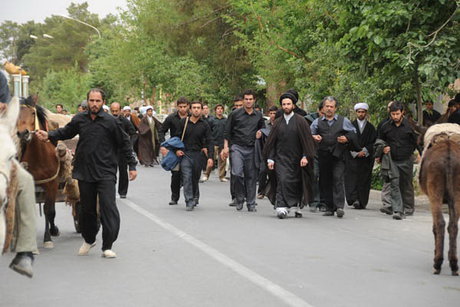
(215, 256)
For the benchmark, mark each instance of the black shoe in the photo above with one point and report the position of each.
(356, 205)
(22, 264)
(239, 206)
(196, 202)
(322, 207)
(172, 202)
(298, 214)
(189, 207)
(340, 213)
(233, 203)
(122, 196)
(252, 209)
(386, 210)
(398, 216)
(409, 212)
(328, 213)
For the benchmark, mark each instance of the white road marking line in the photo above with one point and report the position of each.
(288, 297)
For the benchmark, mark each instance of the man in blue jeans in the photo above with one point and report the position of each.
(197, 140)
(240, 131)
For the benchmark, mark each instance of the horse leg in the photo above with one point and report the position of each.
(438, 230)
(50, 204)
(47, 242)
(452, 228)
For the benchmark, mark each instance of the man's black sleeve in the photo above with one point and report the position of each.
(164, 128)
(67, 132)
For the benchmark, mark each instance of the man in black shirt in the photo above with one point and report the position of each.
(240, 131)
(197, 137)
(95, 167)
(402, 141)
(128, 127)
(217, 129)
(172, 123)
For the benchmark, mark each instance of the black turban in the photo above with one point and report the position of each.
(289, 95)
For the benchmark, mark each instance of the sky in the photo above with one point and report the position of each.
(22, 11)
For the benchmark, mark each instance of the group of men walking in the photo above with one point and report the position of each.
(298, 158)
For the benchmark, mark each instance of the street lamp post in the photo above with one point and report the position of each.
(82, 22)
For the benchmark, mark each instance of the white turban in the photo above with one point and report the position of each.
(126, 108)
(105, 107)
(362, 106)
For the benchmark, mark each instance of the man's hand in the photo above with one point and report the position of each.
(224, 153)
(377, 160)
(342, 139)
(258, 134)
(210, 163)
(164, 151)
(386, 149)
(42, 135)
(132, 175)
(271, 165)
(180, 153)
(3, 107)
(317, 137)
(361, 154)
(303, 162)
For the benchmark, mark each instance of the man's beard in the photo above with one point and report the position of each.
(95, 112)
(287, 112)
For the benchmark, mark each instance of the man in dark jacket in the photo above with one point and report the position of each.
(128, 127)
(358, 169)
(335, 134)
(172, 124)
(95, 168)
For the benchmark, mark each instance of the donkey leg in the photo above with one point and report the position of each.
(452, 228)
(438, 230)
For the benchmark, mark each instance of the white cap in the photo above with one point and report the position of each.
(361, 106)
(126, 108)
(105, 107)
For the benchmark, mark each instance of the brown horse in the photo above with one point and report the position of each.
(440, 181)
(40, 160)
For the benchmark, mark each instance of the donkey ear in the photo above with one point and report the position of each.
(11, 116)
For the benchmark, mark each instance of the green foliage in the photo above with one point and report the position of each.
(67, 87)
(372, 51)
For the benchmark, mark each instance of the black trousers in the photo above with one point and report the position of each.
(123, 179)
(110, 217)
(358, 178)
(263, 177)
(331, 180)
(175, 185)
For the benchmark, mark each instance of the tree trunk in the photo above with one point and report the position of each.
(418, 91)
(274, 91)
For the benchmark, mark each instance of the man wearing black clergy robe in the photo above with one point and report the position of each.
(290, 151)
(358, 166)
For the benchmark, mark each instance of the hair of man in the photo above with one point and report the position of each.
(96, 90)
(396, 105)
(182, 100)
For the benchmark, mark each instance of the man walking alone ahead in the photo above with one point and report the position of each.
(95, 168)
